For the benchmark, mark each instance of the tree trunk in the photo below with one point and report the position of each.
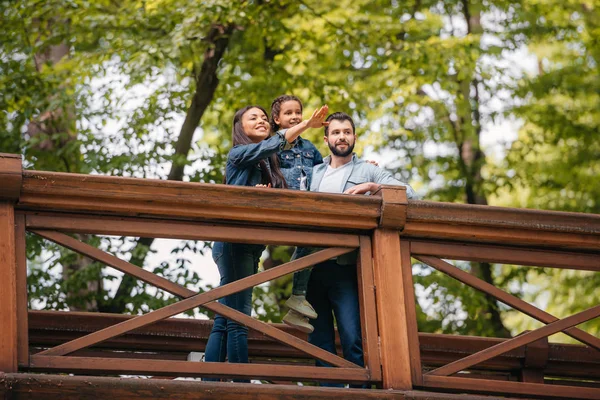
(473, 158)
(206, 82)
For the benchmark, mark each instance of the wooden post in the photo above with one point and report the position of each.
(392, 316)
(10, 188)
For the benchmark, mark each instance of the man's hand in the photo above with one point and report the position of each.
(363, 188)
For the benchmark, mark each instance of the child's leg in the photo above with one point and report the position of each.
(300, 282)
(297, 300)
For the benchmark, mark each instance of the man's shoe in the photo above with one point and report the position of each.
(298, 321)
(301, 306)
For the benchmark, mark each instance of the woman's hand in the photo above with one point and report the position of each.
(260, 185)
(375, 163)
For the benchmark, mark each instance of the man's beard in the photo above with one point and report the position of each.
(338, 153)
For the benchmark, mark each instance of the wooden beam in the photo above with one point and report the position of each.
(59, 387)
(169, 229)
(21, 282)
(391, 310)
(393, 207)
(506, 298)
(86, 365)
(517, 342)
(499, 225)
(11, 177)
(108, 195)
(507, 255)
(368, 310)
(176, 337)
(8, 290)
(194, 301)
(512, 388)
(411, 312)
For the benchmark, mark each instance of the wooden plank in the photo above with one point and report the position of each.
(204, 369)
(120, 226)
(59, 387)
(498, 217)
(8, 290)
(195, 301)
(393, 207)
(391, 315)
(279, 335)
(181, 291)
(517, 342)
(368, 310)
(11, 175)
(511, 388)
(107, 195)
(182, 335)
(500, 234)
(506, 298)
(411, 312)
(21, 282)
(507, 255)
(115, 262)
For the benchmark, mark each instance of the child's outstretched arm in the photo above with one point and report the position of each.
(317, 120)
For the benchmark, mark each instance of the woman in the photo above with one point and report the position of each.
(251, 162)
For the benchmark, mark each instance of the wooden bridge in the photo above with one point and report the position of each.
(84, 355)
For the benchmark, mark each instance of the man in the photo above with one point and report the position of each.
(333, 287)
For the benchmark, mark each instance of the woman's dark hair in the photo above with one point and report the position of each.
(276, 108)
(270, 175)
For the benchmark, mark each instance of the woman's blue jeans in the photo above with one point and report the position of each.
(228, 338)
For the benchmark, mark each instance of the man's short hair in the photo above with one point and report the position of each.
(339, 116)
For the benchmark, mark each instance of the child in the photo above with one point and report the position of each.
(296, 163)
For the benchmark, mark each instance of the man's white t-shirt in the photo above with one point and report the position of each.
(333, 179)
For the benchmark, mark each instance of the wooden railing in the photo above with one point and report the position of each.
(387, 230)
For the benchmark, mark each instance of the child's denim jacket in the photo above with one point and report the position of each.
(296, 163)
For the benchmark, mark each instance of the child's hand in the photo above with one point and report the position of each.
(375, 163)
(317, 120)
(260, 185)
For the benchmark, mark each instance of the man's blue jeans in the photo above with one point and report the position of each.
(334, 288)
(228, 338)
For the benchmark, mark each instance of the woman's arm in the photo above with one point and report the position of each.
(246, 154)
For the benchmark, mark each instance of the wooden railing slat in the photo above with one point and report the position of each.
(366, 293)
(195, 301)
(279, 335)
(204, 369)
(115, 262)
(516, 342)
(506, 298)
(507, 255)
(183, 230)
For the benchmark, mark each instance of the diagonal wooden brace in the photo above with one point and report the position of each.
(506, 298)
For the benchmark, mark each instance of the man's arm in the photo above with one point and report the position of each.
(380, 177)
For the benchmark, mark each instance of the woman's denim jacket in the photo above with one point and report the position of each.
(300, 158)
(242, 162)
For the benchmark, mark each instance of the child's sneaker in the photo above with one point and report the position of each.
(298, 321)
(301, 306)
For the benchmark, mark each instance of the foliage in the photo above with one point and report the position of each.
(426, 81)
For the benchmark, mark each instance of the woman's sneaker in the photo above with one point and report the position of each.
(298, 321)
(301, 306)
